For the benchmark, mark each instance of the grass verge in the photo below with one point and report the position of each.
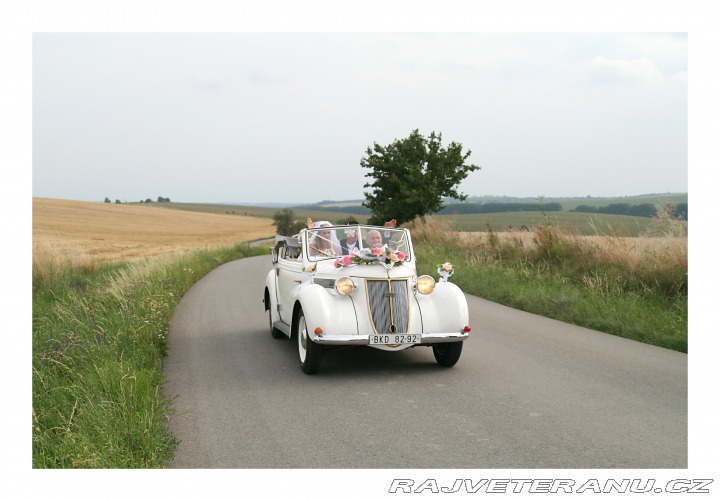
(631, 287)
(99, 337)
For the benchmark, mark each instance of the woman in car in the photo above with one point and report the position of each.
(323, 243)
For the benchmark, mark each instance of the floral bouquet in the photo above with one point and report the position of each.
(445, 270)
(382, 255)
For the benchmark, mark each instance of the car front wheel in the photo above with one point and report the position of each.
(447, 354)
(309, 352)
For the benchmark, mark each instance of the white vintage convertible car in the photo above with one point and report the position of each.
(325, 294)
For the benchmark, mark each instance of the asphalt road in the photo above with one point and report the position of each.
(528, 392)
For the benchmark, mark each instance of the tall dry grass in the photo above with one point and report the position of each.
(662, 252)
(635, 287)
(49, 259)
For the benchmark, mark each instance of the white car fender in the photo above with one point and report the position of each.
(271, 284)
(445, 309)
(332, 312)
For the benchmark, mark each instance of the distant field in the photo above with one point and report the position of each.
(581, 223)
(121, 232)
(249, 210)
(574, 222)
(661, 199)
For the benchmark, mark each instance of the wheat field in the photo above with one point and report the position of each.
(92, 232)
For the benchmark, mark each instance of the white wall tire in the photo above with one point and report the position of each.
(309, 352)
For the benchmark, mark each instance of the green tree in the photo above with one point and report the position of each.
(412, 175)
(284, 221)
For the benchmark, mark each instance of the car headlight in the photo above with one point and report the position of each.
(425, 284)
(344, 286)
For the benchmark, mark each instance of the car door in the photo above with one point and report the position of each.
(289, 275)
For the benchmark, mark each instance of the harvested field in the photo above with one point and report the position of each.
(82, 232)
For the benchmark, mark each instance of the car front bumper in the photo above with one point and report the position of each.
(364, 339)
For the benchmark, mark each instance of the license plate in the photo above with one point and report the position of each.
(395, 338)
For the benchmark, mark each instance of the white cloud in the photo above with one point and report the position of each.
(665, 48)
(641, 70)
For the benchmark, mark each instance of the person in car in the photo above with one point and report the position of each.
(373, 239)
(323, 243)
(350, 242)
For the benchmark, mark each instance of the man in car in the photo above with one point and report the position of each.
(373, 239)
(350, 242)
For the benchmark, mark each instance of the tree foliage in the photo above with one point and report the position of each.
(285, 223)
(411, 176)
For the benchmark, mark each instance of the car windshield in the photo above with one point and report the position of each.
(335, 241)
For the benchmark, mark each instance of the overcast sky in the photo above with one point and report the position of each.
(250, 118)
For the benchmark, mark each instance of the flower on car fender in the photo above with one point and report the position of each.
(445, 270)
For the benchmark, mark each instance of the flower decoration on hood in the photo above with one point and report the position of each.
(377, 255)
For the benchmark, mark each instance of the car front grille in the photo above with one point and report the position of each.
(388, 305)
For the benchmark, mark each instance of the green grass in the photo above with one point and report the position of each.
(98, 338)
(559, 279)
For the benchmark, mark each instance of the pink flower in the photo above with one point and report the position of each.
(337, 263)
(378, 251)
(402, 256)
(394, 257)
(447, 267)
(346, 260)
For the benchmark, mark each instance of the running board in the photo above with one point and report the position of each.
(283, 327)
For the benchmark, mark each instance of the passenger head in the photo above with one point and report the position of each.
(324, 234)
(374, 239)
(351, 235)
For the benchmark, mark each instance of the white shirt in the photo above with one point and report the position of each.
(351, 247)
